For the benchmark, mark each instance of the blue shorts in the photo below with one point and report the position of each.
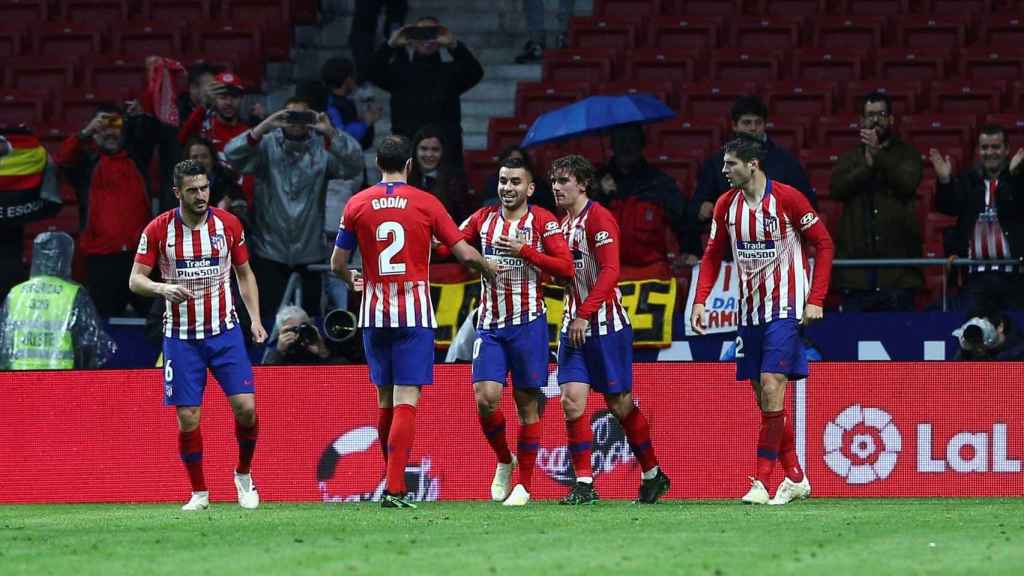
(186, 361)
(521, 349)
(604, 362)
(400, 356)
(775, 347)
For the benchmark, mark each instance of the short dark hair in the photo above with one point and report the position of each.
(433, 19)
(518, 163)
(200, 141)
(336, 71)
(576, 166)
(746, 148)
(993, 130)
(299, 100)
(393, 152)
(187, 168)
(878, 96)
(200, 69)
(748, 105)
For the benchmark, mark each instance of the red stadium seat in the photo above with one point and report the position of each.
(580, 65)
(681, 165)
(629, 8)
(11, 42)
(1002, 30)
(147, 38)
(799, 99)
(958, 7)
(707, 7)
(759, 32)
(875, 7)
(711, 100)
(828, 64)
(40, 73)
(664, 91)
(698, 135)
(967, 97)
(685, 32)
(985, 63)
(479, 165)
(849, 32)
(74, 108)
(505, 132)
(67, 39)
(911, 64)
(804, 8)
(906, 96)
(52, 138)
(22, 107)
(819, 164)
(93, 11)
(1014, 126)
(838, 132)
(178, 10)
(931, 32)
(24, 12)
(938, 131)
(270, 11)
(227, 40)
(535, 98)
(1016, 96)
(656, 64)
(600, 32)
(744, 65)
(790, 132)
(115, 73)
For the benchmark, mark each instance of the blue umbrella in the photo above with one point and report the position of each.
(594, 114)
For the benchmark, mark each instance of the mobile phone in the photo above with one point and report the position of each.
(300, 117)
(422, 33)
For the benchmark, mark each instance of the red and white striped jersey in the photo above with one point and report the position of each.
(199, 259)
(517, 296)
(770, 254)
(988, 241)
(593, 294)
(393, 224)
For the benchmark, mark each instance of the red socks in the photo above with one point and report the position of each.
(529, 443)
(638, 434)
(769, 438)
(190, 447)
(581, 440)
(403, 430)
(787, 452)
(246, 445)
(493, 426)
(384, 429)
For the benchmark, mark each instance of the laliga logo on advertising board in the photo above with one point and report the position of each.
(355, 452)
(862, 444)
(973, 444)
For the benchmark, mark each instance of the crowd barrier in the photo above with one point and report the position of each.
(875, 429)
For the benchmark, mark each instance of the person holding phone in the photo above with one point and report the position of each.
(426, 70)
(291, 155)
(222, 122)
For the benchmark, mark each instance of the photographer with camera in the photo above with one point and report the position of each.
(298, 340)
(989, 335)
(292, 155)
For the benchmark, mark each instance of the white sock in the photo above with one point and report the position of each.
(203, 493)
(585, 479)
(650, 474)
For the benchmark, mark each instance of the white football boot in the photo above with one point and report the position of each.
(199, 501)
(757, 494)
(518, 497)
(789, 491)
(248, 497)
(502, 483)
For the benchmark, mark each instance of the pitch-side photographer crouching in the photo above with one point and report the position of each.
(299, 341)
(989, 335)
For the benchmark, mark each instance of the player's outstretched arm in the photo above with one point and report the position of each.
(471, 258)
(140, 283)
(251, 298)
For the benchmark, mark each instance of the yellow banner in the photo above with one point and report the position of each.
(650, 305)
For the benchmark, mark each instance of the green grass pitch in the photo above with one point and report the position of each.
(821, 536)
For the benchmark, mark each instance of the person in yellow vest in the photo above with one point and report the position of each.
(49, 322)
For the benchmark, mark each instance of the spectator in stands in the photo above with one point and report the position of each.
(28, 192)
(533, 50)
(988, 201)
(363, 34)
(432, 171)
(355, 118)
(542, 194)
(425, 87)
(107, 163)
(223, 122)
(200, 76)
(298, 340)
(647, 204)
(749, 115)
(49, 322)
(877, 183)
(292, 154)
(225, 191)
(989, 335)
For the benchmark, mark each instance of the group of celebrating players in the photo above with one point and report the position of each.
(397, 227)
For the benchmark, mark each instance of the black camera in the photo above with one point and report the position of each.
(422, 33)
(300, 117)
(306, 333)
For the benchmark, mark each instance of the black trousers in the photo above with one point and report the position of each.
(364, 29)
(107, 282)
(272, 279)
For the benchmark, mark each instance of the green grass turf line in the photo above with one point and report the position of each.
(821, 536)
